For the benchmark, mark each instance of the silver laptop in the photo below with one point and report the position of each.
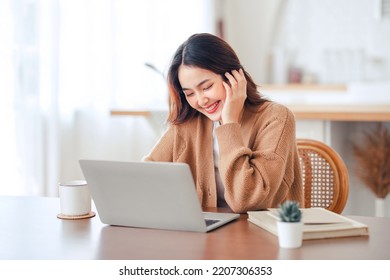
(157, 195)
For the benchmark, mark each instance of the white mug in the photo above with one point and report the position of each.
(75, 198)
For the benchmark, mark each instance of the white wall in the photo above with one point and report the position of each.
(331, 40)
(249, 28)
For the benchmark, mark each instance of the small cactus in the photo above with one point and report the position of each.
(289, 212)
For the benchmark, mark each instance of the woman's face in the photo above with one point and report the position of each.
(203, 90)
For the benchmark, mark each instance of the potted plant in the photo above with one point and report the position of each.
(290, 225)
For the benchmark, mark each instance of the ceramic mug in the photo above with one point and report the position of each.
(75, 198)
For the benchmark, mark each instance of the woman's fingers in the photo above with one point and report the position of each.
(236, 79)
(227, 87)
(235, 96)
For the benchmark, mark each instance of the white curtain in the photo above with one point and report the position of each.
(65, 64)
(21, 148)
(8, 154)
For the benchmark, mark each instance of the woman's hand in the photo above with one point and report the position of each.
(235, 96)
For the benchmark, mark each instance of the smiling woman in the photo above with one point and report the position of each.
(240, 147)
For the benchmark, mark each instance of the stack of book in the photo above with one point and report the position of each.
(318, 223)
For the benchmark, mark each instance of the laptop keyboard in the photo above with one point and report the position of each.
(209, 222)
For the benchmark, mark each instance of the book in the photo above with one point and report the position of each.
(318, 223)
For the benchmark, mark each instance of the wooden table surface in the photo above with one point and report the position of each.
(30, 229)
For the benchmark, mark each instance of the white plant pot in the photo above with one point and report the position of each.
(290, 234)
(380, 207)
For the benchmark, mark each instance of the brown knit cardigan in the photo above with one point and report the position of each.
(259, 162)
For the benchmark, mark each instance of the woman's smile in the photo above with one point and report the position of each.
(214, 107)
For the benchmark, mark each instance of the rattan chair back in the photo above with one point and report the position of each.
(324, 175)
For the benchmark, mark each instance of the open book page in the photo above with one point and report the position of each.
(315, 216)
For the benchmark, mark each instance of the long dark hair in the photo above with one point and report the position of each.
(208, 52)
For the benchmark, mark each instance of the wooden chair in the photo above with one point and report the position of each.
(324, 175)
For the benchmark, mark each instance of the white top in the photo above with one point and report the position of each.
(221, 202)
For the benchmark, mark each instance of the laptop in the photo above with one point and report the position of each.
(159, 195)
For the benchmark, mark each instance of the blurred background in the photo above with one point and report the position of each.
(66, 66)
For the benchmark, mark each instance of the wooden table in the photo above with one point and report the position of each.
(30, 229)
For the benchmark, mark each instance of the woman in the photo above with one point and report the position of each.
(240, 147)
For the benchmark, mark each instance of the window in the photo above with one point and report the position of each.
(64, 56)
